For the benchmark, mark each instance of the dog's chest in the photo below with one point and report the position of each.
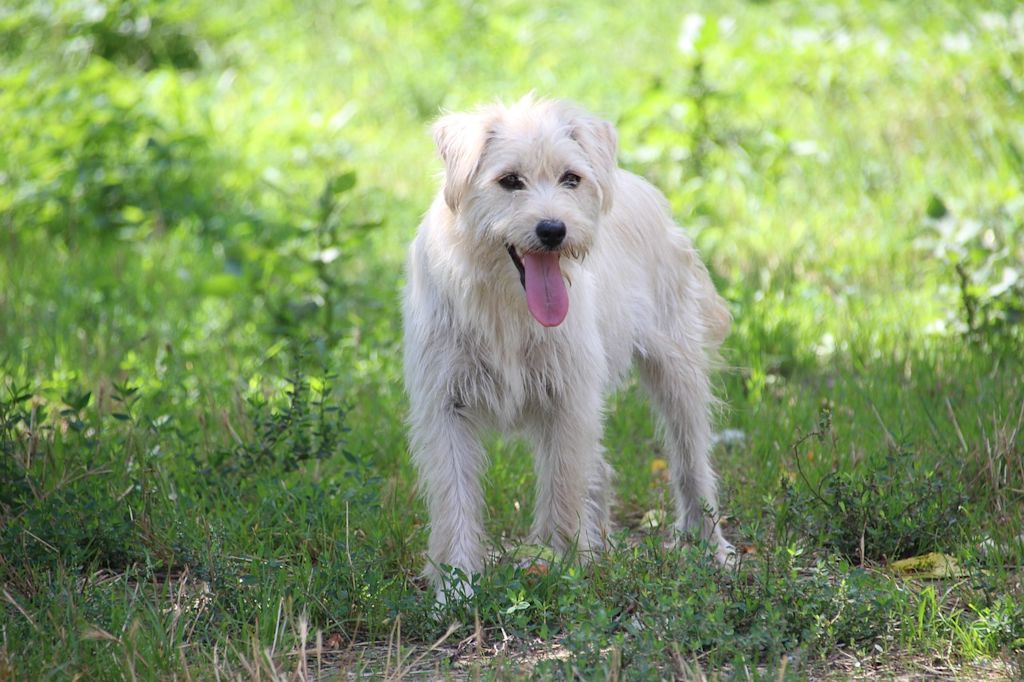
(512, 374)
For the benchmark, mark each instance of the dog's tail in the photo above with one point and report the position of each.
(712, 308)
(717, 317)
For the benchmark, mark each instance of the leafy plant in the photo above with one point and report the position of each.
(892, 506)
(986, 253)
(73, 520)
(97, 159)
(308, 424)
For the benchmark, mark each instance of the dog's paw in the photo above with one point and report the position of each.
(725, 553)
(453, 591)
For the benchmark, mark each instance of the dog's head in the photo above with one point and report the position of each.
(532, 178)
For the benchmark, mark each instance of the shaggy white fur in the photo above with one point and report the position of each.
(540, 274)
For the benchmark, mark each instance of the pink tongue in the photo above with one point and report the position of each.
(545, 289)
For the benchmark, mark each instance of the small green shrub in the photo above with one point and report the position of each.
(302, 270)
(82, 518)
(984, 251)
(890, 507)
(79, 525)
(305, 425)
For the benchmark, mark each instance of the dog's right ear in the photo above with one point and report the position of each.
(460, 139)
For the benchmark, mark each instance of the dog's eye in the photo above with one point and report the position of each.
(570, 180)
(511, 182)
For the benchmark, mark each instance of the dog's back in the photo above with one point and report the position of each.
(656, 258)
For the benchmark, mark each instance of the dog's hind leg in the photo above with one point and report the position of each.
(450, 459)
(680, 391)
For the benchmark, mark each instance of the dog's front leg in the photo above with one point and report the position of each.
(572, 478)
(449, 457)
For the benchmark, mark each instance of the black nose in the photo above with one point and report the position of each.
(550, 232)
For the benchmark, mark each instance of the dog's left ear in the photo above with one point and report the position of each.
(601, 144)
(460, 140)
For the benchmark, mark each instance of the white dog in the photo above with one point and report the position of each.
(541, 273)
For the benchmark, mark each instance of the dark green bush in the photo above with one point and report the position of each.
(892, 507)
(97, 160)
(84, 518)
(143, 34)
(80, 525)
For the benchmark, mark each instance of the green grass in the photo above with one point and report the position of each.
(203, 216)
